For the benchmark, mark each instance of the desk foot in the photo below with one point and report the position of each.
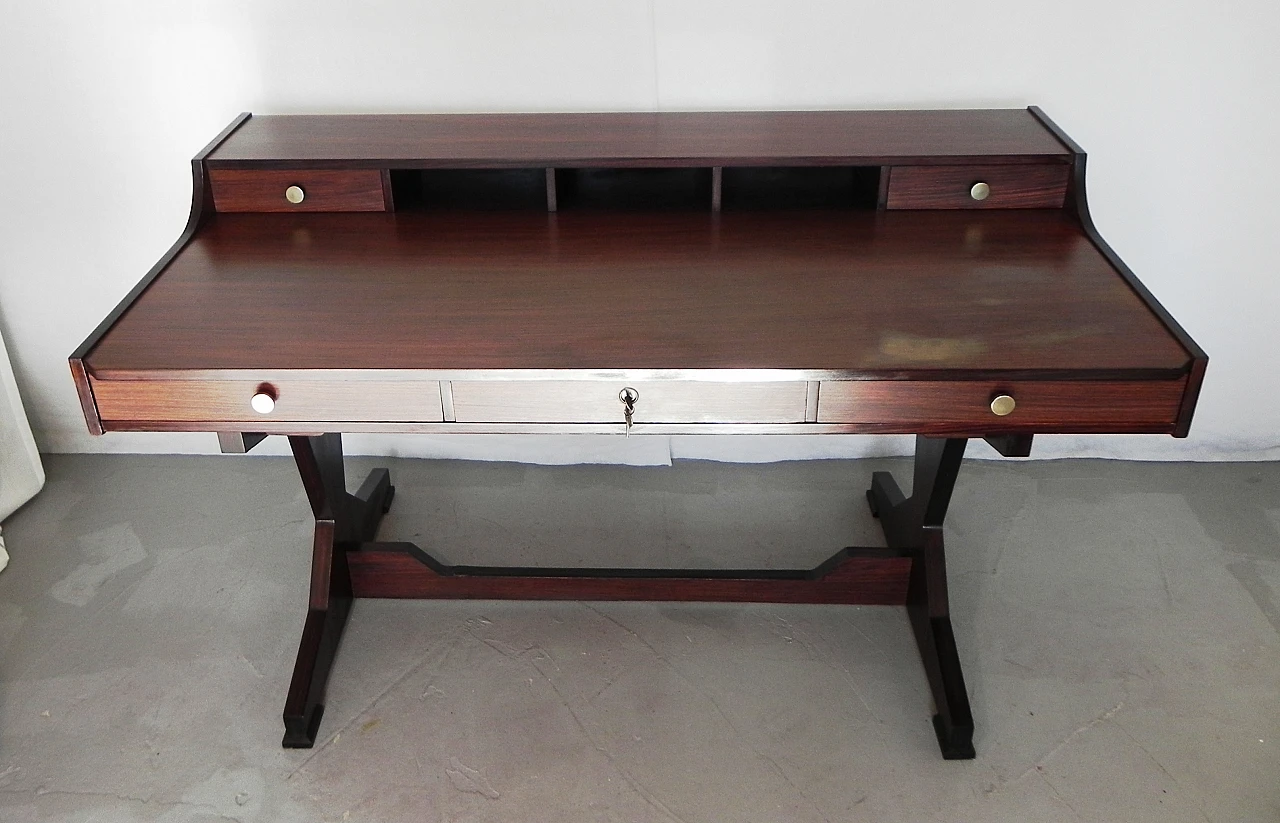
(914, 525)
(956, 742)
(343, 522)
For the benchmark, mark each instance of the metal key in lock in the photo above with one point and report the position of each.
(628, 396)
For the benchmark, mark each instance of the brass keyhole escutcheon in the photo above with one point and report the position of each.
(1003, 405)
(295, 194)
(628, 396)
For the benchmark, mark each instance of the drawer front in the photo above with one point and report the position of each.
(1042, 406)
(271, 190)
(231, 401)
(658, 402)
(953, 187)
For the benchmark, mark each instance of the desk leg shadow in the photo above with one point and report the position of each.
(343, 522)
(914, 525)
(348, 564)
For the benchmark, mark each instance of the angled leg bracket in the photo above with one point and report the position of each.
(343, 521)
(915, 525)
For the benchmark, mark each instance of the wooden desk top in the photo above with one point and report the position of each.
(897, 271)
(850, 293)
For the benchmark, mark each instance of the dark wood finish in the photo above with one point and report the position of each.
(1078, 203)
(201, 205)
(854, 575)
(1010, 445)
(262, 190)
(1191, 396)
(1042, 406)
(388, 197)
(869, 138)
(948, 187)
(860, 293)
(882, 187)
(84, 391)
(914, 525)
(911, 320)
(297, 400)
(343, 521)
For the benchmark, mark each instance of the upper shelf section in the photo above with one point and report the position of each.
(853, 138)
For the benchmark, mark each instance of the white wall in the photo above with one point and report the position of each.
(104, 104)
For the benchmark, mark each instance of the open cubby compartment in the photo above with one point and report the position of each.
(760, 188)
(469, 189)
(680, 188)
(634, 189)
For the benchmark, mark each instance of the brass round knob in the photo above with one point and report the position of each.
(295, 194)
(263, 403)
(1003, 405)
(980, 191)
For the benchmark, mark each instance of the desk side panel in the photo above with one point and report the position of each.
(201, 205)
(1078, 201)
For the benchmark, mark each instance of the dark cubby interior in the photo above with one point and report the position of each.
(800, 187)
(469, 189)
(741, 188)
(634, 189)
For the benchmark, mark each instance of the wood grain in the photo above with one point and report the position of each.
(947, 187)
(861, 576)
(226, 401)
(1041, 406)
(866, 294)
(262, 190)
(597, 402)
(641, 138)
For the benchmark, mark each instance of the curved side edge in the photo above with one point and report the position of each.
(85, 391)
(1077, 199)
(201, 205)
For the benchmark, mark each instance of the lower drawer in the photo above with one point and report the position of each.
(582, 401)
(232, 401)
(1045, 406)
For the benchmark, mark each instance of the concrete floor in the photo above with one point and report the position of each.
(1119, 624)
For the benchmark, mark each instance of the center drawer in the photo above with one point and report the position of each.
(591, 401)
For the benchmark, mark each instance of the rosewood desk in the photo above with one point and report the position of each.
(930, 272)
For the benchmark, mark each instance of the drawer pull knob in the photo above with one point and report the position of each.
(1003, 405)
(295, 194)
(980, 191)
(263, 403)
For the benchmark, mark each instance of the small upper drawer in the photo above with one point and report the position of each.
(589, 401)
(977, 187)
(298, 190)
